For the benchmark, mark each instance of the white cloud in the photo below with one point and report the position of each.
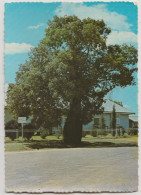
(36, 27)
(112, 19)
(121, 37)
(14, 48)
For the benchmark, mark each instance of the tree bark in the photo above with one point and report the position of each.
(73, 126)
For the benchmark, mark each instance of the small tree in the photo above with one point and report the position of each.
(102, 122)
(113, 120)
(13, 124)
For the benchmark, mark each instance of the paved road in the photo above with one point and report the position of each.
(67, 170)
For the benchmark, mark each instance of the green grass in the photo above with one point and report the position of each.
(37, 142)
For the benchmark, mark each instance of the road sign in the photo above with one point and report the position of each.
(22, 120)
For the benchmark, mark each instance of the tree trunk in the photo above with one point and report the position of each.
(73, 126)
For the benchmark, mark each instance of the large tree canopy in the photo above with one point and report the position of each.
(69, 73)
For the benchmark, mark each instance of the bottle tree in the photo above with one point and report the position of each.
(69, 73)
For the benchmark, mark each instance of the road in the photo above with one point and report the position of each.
(73, 170)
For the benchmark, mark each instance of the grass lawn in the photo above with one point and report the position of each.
(37, 142)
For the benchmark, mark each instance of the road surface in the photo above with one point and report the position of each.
(73, 170)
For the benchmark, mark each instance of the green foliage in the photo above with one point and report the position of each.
(29, 126)
(93, 133)
(13, 124)
(132, 131)
(102, 122)
(103, 132)
(84, 133)
(28, 135)
(43, 134)
(11, 135)
(59, 133)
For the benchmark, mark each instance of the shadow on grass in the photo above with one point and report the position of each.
(59, 144)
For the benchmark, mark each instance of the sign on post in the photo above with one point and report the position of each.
(22, 120)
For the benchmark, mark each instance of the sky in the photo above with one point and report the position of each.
(25, 24)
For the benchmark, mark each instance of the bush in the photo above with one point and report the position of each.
(126, 135)
(28, 135)
(132, 131)
(58, 134)
(43, 134)
(84, 133)
(93, 133)
(29, 126)
(11, 135)
(103, 132)
(13, 124)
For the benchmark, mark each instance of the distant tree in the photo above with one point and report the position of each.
(12, 124)
(113, 120)
(102, 122)
(69, 73)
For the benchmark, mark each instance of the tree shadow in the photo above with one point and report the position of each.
(84, 144)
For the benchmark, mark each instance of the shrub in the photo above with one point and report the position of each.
(59, 132)
(11, 135)
(93, 133)
(28, 135)
(84, 133)
(126, 135)
(58, 135)
(43, 134)
(132, 131)
(102, 132)
(29, 126)
(109, 135)
(13, 124)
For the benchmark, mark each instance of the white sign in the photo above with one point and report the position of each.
(21, 119)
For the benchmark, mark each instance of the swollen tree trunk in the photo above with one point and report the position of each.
(73, 126)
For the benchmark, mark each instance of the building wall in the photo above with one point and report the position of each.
(107, 118)
(122, 120)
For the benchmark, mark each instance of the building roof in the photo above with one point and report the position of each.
(134, 118)
(108, 108)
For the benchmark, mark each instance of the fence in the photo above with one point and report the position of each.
(16, 133)
(104, 132)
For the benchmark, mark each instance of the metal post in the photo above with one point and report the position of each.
(22, 130)
(16, 134)
(116, 131)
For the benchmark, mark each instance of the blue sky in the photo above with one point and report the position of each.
(25, 24)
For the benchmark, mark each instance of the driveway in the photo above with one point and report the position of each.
(73, 170)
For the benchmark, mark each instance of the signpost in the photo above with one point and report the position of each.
(22, 120)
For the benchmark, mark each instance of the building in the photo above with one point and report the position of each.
(133, 121)
(122, 116)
